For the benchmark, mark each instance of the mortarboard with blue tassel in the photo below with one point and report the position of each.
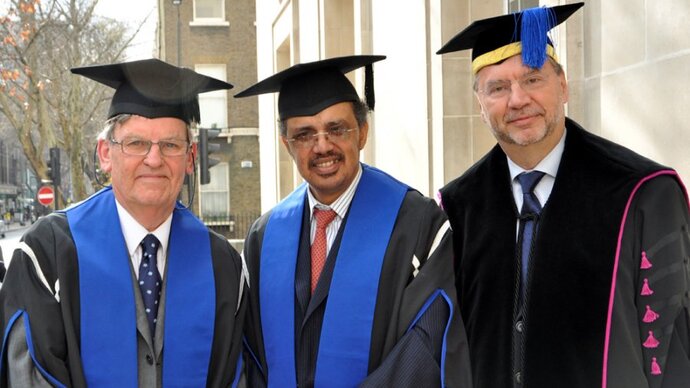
(526, 32)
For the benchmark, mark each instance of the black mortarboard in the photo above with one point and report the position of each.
(153, 88)
(495, 39)
(306, 89)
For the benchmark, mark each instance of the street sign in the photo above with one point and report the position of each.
(45, 195)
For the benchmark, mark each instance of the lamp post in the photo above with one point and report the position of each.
(177, 3)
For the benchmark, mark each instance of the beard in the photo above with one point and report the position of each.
(526, 136)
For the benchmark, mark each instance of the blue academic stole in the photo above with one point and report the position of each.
(108, 310)
(343, 356)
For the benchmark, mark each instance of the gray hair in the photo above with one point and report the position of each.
(359, 108)
(117, 120)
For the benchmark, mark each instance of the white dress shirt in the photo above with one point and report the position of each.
(549, 166)
(134, 233)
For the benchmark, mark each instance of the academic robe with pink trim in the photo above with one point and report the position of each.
(608, 294)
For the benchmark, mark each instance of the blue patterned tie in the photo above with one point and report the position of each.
(528, 217)
(150, 280)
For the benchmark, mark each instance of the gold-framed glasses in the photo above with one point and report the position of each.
(500, 89)
(307, 139)
(139, 147)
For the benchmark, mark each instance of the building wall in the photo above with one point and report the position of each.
(244, 166)
(637, 56)
(401, 129)
(231, 42)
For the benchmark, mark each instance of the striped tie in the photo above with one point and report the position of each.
(528, 217)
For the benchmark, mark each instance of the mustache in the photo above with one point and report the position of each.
(329, 154)
(527, 112)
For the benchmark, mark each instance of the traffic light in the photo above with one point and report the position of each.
(206, 148)
(54, 166)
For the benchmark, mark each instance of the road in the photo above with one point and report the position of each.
(9, 242)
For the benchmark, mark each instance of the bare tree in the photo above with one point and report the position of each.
(41, 100)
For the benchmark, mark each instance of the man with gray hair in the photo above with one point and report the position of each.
(128, 288)
(571, 251)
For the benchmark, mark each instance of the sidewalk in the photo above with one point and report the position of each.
(4, 228)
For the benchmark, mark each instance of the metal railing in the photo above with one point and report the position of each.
(234, 226)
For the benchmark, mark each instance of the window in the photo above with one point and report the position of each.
(209, 11)
(213, 105)
(518, 5)
(215, 196)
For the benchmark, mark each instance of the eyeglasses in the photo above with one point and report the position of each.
(138, 147)
(501, 89)
(308, 139)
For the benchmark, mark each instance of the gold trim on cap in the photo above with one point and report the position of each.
(502, 53)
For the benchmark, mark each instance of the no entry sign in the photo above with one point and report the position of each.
(45, 195)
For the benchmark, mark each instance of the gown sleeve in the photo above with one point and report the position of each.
(650, 330)
(433, 350)
(22, 371)
(254, 373)
(34, 342)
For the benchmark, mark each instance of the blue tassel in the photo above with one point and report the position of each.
(535, 26)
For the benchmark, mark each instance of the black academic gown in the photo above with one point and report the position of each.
(55, 326)
(584, 316)
(395, 358)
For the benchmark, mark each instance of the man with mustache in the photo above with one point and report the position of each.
(352, 274)
(571, 251)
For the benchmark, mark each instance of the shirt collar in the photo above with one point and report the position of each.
(548, 165)
(134, 232)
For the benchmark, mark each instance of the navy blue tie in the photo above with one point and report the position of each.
(150, 279)
(528, 215)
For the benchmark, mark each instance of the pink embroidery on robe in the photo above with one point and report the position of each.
(656, 369)
(651, 342)
(645, 264)
(650, 316)
(645, 288)
(616, 263)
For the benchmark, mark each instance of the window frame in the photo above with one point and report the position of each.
(520, 6)
(209, 21)
(216, 171)
(219, 71)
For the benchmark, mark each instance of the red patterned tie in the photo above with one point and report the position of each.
(319, 246)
